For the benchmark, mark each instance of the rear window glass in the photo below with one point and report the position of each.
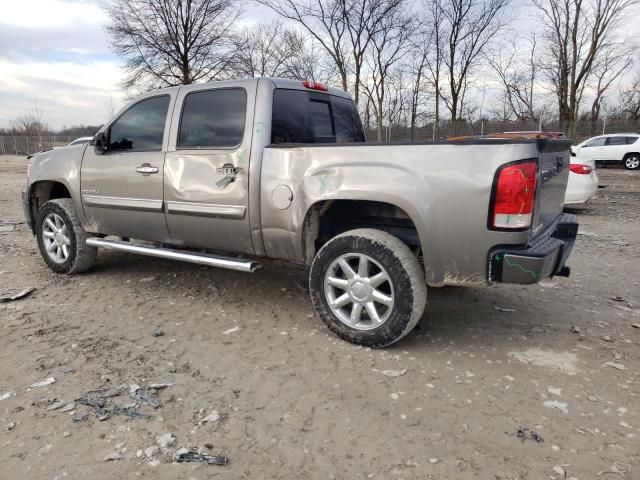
(617, 141)
(631, 140)
(213, 119)
(309, 117)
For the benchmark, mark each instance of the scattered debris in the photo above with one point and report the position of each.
(68, 407)
(574, 329)
(394, 396)
(151, 451)
(199, 457)
(43, 383)
(392, 373)
(147, 279)
(527, 434)
(433, 461)
(563, 407)
(157, 333)
(113, 456)
(617, 299)
(81, 417)
(563, 361)
(505, 310)
(214, 416)
(130, 412)
(139, 393)
(635, 325)
(231, 330)
(617, 366)
(560, 471)
(4, 396)
(160, 386)
(554, 391)
(18, 296)
(166, 440)
(56, 405)
(617, 467)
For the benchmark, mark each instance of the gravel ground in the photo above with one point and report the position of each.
(259, 379)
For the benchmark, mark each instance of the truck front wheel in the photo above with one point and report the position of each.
(368, 287)
(61, 238)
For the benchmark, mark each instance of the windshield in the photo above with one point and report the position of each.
(310, 117)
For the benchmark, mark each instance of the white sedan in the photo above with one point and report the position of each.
(583, 182)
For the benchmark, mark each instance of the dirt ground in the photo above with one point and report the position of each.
(258, 378)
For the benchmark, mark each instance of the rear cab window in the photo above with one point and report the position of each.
(299, 116)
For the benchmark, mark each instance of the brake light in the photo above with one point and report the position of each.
(315, 86)
(580, 169)
(513, 196)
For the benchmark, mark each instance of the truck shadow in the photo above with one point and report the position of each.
(454, 315)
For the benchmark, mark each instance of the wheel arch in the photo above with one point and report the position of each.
(41, 191)
(325, 219)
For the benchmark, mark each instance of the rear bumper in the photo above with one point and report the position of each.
(544, 256)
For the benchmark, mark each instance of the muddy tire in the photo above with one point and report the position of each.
(368, 287)
(61, 238)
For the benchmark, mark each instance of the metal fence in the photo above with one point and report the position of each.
(577, 131)
(27, 144)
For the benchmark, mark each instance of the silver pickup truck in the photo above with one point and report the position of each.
(224, 174)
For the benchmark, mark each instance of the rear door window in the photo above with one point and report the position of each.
(213, 119)
(613, 141)
(308, 117)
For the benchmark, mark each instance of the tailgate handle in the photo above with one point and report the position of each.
(559, 163)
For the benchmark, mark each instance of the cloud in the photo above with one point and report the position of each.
(54, 53)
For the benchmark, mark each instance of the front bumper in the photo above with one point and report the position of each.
(543, 256)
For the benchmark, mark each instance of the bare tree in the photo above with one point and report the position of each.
(578, 33)
(389, 44)
(418, 62)
(613, 64)
(31, 123)
(437, 37)
(172, 42)
(469, 26)
(630, 100)
(324, 22)
(266, 50)
(517, 74)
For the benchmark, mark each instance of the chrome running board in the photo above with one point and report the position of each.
(181, 255)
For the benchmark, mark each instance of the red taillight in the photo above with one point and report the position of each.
(315, 86)
(514, 196)
(580, 169)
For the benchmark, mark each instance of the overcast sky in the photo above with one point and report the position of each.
(54, 55)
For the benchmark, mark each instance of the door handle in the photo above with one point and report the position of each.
(146, 169)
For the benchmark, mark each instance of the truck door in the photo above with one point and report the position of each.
(207, 167)
(122, 187)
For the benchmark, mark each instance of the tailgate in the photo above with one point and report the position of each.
(553, 161)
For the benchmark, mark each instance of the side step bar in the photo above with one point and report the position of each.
(182, 255)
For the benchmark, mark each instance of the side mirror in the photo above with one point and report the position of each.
(100, 141)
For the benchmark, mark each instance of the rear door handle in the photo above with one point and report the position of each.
(146, 169)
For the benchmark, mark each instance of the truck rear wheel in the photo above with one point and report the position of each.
(368, 287)
(61, 238)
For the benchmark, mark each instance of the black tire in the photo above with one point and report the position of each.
(631, 161)
(407, 286)
(80, 257)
